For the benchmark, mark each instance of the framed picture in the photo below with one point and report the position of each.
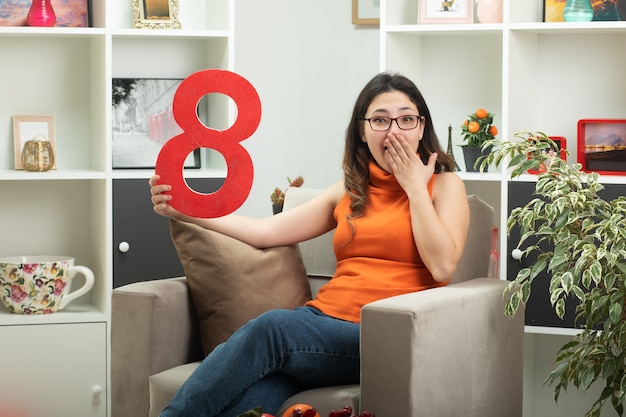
(602, 10)
(156, 14)
(560, 152)
(69, 13)
(143, 121)
(29, 127)
(438, 11)
(553, 10)
(365, 12)
(602, 146)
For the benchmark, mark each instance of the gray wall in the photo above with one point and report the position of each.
(308, 63)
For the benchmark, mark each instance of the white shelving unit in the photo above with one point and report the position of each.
(67, 72)
(534, 76)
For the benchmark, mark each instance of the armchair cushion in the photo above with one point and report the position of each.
(232, 282)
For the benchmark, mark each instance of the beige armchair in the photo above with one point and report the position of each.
(448, 351)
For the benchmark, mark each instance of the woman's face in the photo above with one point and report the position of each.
(392, 104)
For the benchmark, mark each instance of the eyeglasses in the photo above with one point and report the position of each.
(406, 122)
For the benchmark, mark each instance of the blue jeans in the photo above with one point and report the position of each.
(274, 356)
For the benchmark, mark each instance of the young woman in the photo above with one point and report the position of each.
(400, 217)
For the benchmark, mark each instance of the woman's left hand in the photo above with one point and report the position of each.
(406, 165)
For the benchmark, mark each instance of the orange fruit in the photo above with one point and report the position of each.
(473, 127)
(302, 407)
(481, 113)
(493, 130)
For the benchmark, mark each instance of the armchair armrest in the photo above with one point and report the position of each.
(153, 328)
(447, 351)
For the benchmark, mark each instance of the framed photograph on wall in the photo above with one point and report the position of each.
(602, 146)
(438, 11)
(559, 152)
(366, 12)
(142, 121)
(156, 14)
(31, 127)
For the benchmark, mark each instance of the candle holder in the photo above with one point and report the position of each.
(37, 155)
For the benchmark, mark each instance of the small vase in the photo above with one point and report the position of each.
(41, 13)
(37, 155)
(489, 11)
(277, 208)
(578, 11)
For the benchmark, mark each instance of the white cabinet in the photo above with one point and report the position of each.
(54, 370)
(67, 72)
(534, 76)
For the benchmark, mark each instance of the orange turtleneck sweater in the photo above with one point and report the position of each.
(380, 260)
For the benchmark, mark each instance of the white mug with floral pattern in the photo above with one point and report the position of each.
(40, 284)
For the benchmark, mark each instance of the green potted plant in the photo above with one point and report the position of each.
(587, 260)
(278, 195)
(477, 129)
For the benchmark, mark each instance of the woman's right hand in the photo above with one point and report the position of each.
(160, 200)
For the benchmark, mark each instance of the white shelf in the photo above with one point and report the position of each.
(188, 173)
(67, 72)
(562, 331)
(174, 34)
(13, 175)
(560, 28)
(533, 75)
(440, 30)
(60, 32)
(73, 313)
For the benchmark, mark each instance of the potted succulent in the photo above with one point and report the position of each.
(477, 129)
(278, 196)
(586, 260)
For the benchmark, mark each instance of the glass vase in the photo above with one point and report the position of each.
(37, 155)
(578, 11)
(41, 13)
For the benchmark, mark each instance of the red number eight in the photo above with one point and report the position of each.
(171, 159)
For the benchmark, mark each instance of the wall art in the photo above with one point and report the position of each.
(602, 10)
(602, 145)
(156, 14)
(69, 13)
(142, 121)
(32, 128)
(446, 11)
(365, 12)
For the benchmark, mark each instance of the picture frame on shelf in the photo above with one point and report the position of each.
(604, 10)
(609, 10)
(365, 12)
(602, 146)
(560, 152)
(553, 10)
(445, 12)
(32, 127)
(142, 121)
(69, 13)
(155, 14)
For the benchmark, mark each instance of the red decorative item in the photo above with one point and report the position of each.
(195, 135)
(41, 13)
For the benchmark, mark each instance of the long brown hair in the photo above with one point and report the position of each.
(357, 155)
